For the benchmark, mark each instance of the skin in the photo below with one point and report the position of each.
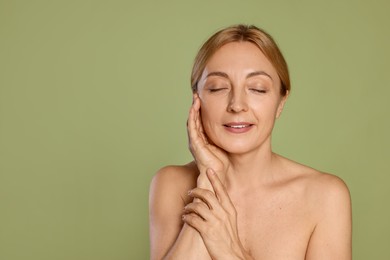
(245, 202)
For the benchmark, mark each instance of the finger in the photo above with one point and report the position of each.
(220, 191)
(196, 102)
(192, 128)
(195, 221)
(196, 126)
(199, 123)
(207, 196)
(199, 208)
(198, 120)
(201, 129)
(196, 107)
(196, 142)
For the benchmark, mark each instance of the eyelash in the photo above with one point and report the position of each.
(262, 91)
(216, 90)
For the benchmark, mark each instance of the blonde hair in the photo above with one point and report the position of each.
(239, 33)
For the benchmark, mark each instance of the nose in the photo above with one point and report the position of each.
(237, 102)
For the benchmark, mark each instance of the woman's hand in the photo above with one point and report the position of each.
(215, 218)
(206, 155)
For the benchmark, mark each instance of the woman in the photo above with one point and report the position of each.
(238, 199)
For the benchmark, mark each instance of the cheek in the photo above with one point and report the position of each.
(206, 116)
(207, 124)
(266, 109)
(209, 110)
(209, 116)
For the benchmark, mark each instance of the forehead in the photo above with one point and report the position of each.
(239, 58)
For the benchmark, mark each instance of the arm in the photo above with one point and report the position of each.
(215, 218)
(331, 238)
(169, 238)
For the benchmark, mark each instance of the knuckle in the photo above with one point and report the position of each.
(196, 206)
(196, 190)
(209, 195)
(189, 218)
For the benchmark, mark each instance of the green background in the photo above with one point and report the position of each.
(94, 98)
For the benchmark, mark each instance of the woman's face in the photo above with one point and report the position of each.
(240, 98)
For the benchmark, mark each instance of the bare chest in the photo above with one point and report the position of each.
(274, 226)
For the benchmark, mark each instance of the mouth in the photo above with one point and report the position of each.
(238, 127)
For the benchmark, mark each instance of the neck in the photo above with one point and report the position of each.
(251, 169)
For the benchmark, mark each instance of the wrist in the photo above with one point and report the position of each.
(203, 182)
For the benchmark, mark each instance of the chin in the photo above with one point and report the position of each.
(236, 147)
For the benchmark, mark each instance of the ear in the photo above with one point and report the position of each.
(281, 104)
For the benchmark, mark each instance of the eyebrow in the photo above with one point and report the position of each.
(218, 73)
(252, 74)
(258, 73)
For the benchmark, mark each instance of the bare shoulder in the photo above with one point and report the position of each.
(322, 192)
(328, 186)
(327, 191)
(169, 186)
(175, 178)
(328, 200)
(317, 184)
(183, 172)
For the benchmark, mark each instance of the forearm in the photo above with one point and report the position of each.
(189, 245)
(215, 218)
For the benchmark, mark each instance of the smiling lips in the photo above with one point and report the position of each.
(238, 127)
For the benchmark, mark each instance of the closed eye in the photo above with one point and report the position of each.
(213, 90)
(258, 90)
